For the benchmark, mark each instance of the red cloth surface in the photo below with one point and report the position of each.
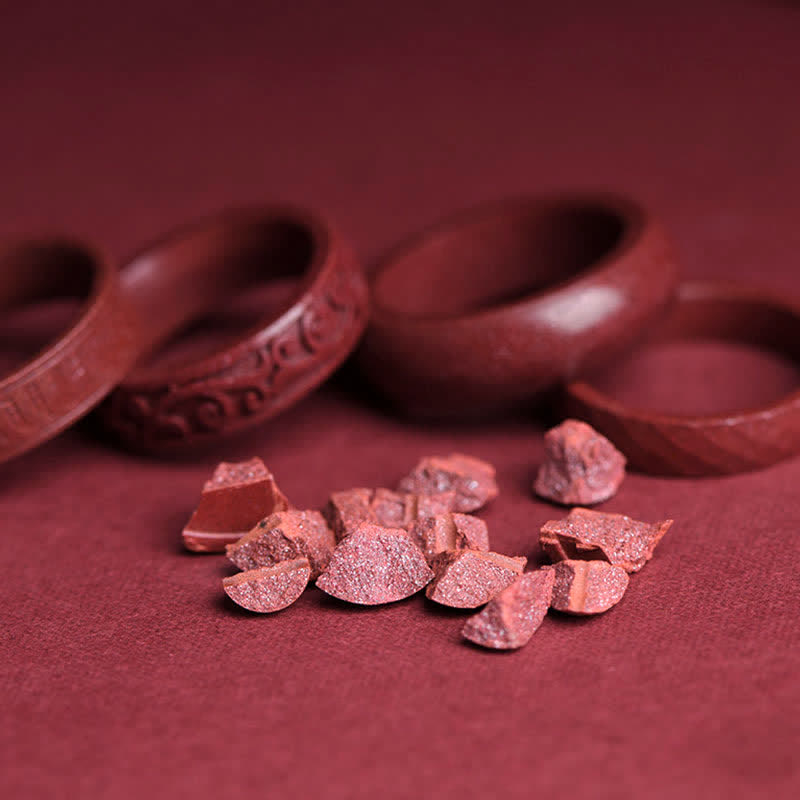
(125, 673)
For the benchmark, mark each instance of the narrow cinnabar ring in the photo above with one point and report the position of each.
(479, 314)
(663, 444)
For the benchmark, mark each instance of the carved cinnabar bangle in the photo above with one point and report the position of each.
(191, 272)
(664, 444)
(74, 373)
(481, 313)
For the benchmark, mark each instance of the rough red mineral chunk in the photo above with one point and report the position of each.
(347, 510)
(471, 479)
(470, 578)
(392, 509)
(513, 616)
(587, 587)
(586, 534)
(581, 466)
(429, 505)
(374, 565)
(268, 589)
(284, 536)
(236, 497)
(445, 532)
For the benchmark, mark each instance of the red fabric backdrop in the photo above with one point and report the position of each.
(125, 674)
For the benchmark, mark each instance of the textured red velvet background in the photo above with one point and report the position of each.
(124, 672)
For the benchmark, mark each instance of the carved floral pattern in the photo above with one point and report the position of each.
(266, 376)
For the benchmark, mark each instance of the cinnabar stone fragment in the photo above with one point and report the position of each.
(587, 587)
(470, 578)
(374, 565)
(471, 479)
(445, 532)
(586, 534)
(513, 616)
(429, 505)
(392, 509)
(284, 536)
(268, 589)
(236, 497)
(581, 466)
(348, 509)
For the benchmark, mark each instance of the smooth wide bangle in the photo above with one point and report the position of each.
(74, 373)
(283, 358)
(696, 445)
(479, 314)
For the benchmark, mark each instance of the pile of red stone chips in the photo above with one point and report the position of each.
(374, 546)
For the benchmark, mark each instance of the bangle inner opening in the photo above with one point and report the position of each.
(710, 358)
(497, 260)
(44, 289)
(203, 290)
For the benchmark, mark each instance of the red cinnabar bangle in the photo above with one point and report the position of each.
(477, 315)
(73, 374)
(273, 365)
(696, 445)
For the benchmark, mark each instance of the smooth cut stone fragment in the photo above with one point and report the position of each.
(444, 532)
(471, 479)
(269, 589)
(581, 467)
(585, 534)
(587, 587)
(383, 507)
(470, 578)
(513, 615)
(375, 565)
(284, 536)
(235, 498)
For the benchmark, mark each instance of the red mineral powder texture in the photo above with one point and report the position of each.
(348, 509)
(268, 589)
(586, 534)
(236, 497)
(445, 532)
(514, 615)
(470, 578)
(375, 565)
(587, 587)
(471, 479)
(581, 466)
(283, 536)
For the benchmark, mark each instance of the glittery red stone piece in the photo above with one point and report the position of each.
(470, 578)
(581, 466)
(235, 473)
(471, 479)
(391, 509)
(268, 589)
(513, 616)
(284, 536)
(429, 505)
(374, 565)
(236, 497)
(587, 587)
(347, 510)
(586, 534)
(445, 532)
